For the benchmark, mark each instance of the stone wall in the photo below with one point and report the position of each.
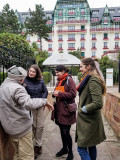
(111, 111)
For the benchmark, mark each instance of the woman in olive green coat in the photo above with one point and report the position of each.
(89, 127)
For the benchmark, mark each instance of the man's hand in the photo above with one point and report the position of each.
(49, 106)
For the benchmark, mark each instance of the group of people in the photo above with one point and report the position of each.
(23, 97)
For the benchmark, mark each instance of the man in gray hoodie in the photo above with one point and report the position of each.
(15, 112)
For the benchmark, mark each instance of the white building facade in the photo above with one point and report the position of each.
(94, 31)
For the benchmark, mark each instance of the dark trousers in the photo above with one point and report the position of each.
(66, 137)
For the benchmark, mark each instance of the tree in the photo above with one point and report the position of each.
(76, 53)
(36, 24)
(9, 21)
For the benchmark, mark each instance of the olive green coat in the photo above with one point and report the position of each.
(89, 126)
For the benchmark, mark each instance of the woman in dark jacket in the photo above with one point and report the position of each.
(63, 118)
(90, 130)
(36, 88)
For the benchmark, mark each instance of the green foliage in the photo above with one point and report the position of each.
(79, 76)
(16, 43)
(74, 70)
(76, 53)
(47, 76)
(1, 76)
(37, 23)
(105, 63)
(9, 21)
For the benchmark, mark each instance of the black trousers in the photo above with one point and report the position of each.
(66, 137)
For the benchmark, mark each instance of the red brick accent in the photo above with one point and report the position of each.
(111, 111)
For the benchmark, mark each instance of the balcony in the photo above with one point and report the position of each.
(50, 49)
(82, 48)
(82, 39)
(82, 12)
(60, 49)
(104, 29)
(105, 38)
(50, 40)
(60, 14)
(93, 39)
(117, 38)
(117, 47)
(71, 39)
(94, 20)
(93, 48)
(106, 21)
(71, 48)
(60, 39)
(49, 22)
(105, 47)
(75, 30)
(71, 13)
(71, 21)
(116, 19)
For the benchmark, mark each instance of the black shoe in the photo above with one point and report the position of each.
(70, 156)
(61, 152)
(37, 151)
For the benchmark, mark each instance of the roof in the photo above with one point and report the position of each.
(61, 58)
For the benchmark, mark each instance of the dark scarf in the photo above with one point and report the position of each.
(82, 84)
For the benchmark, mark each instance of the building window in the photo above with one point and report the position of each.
(60, 46)
(105, 45)
(50, 38)
(93, 27)
(93, 45)
(60, 38)
(28, 38)
(60, 12)
(116, 35)
(82, 45)
(50, 54)
(111, 10)
(71, 11)
(82, 54)
(116, 45)
(95, 11)
(70, 28)
(71, 18)
(105, 36)
(71, 46)
(71, 37)
(60, 28)
(82, 36)
(82, 27)
(50, 47)
(93, 54)
(82, 11)
(93, 36)
(117, 26)
(105, 26)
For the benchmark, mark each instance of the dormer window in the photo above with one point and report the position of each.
(95, 11)
(111, 10)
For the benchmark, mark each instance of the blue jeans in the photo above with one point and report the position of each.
(89, 153)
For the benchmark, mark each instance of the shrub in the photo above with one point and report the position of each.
(47, 76)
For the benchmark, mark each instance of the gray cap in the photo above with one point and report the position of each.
(17, 73)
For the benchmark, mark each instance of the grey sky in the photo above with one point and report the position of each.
(24, 5)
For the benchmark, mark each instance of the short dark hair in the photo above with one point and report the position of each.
(61, 68)
(38, 72)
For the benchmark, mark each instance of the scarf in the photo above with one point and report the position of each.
(62, 78)
(83, 83)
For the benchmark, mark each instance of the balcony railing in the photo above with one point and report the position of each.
(71, 39)
(50, 40)
(94, 39)
(82, 48)
(117, 47)
(49, 49)
(60, 48)
(82, 12)
(60, 14)
(105, 38)
(105, 47)
(60, 39)
(71, 48)
(117, 38)
(71, 13)
(75, 30)
(94, 20)
(116, 19)
(49, 22)
(71, 21)
(93, 48)
(82, 39)
(104, 29)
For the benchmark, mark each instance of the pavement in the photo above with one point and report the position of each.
(107, 150)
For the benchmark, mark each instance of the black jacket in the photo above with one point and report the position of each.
(35, 88)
